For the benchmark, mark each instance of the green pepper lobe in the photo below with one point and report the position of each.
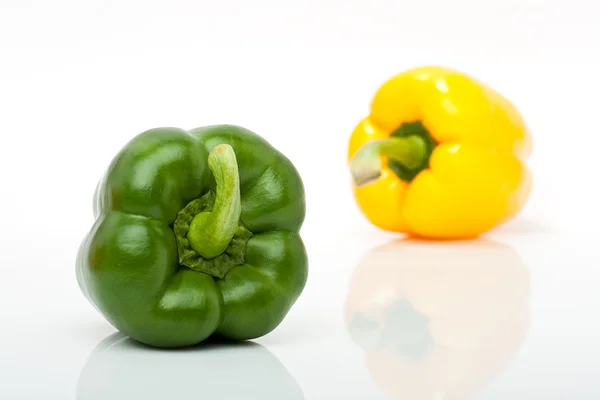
(196, 234)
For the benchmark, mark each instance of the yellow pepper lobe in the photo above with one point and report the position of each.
(475, 176)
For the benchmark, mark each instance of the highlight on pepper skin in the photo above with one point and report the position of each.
(441, 155)
(432, 320)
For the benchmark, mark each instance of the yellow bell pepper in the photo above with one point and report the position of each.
(441, 155)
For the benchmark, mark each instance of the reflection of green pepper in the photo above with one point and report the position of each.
(196, 234)
(120, 369)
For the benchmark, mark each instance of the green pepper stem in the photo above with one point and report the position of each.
(211, 232)
(366, 165)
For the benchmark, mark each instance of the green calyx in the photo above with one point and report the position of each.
(210, 235)
(408, 150)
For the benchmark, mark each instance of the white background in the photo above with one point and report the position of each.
(79, 78)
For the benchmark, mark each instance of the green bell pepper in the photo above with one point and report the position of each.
(196, 234)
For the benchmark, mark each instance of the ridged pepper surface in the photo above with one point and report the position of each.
(441, 155)
(196, 234)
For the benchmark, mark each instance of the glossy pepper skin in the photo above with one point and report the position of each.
(466, 172)
(136, 265)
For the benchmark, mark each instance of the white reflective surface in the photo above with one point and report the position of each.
(514, 316)
(509, 316)
(119, 368)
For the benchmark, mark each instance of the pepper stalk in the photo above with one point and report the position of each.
(366, 165)
(211, 232)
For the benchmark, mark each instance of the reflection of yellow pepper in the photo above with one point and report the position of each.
(434, 323)
(441, 155)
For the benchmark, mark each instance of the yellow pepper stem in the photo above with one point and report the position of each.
(366, 165)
